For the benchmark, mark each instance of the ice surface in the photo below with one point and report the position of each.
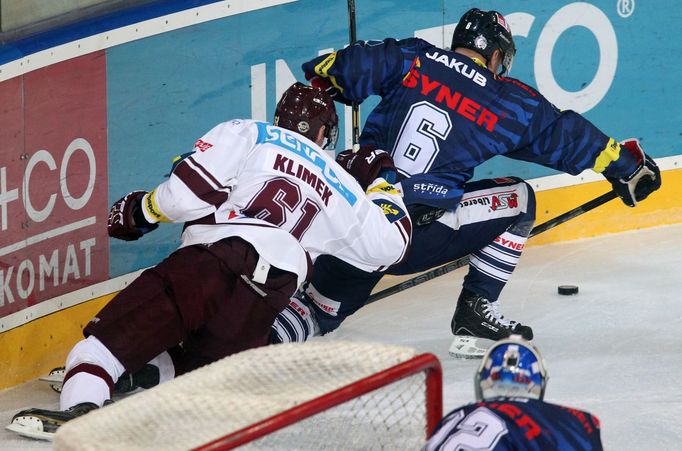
(615, 349)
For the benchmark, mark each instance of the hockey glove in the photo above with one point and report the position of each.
(644, 180)
(367, 164)
(326, 85)
(126, 220)
(424, 214)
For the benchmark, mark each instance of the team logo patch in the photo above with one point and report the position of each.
(303, 127)
(202, 145)
(502, 21)
(504, 201)
(430, 188)
(392, 211)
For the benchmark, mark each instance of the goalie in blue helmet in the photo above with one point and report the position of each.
(511, 367)
(510, 388)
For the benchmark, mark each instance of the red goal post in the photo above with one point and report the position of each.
(323, 394)
(426, 363)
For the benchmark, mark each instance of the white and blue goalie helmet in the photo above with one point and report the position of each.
(511, 367)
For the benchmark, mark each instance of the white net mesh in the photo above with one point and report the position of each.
(251, 386)
(391, 418)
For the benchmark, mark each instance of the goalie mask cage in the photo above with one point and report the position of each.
(317, 395)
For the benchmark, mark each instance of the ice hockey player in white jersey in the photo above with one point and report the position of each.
(260, 203)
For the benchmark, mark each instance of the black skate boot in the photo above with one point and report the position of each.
(42, 424)
(477, 323)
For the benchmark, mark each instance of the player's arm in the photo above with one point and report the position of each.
(389, 228)
(426, 196)
(394, 242)
(196, 187)
(566, 141)
(361, 70)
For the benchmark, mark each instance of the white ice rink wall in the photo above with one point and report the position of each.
(93, 109)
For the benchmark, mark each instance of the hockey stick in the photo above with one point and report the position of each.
(355, 107)
(449, 267)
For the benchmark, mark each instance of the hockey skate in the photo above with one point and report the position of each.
(477, 324)
(146, 377)
(55, 378)
(42, 424)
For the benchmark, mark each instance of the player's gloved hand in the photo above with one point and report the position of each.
(325, 84)
(424, 214)
(126, 220)
(367, 164)
(644, 180)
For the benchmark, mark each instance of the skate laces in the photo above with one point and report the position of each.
(491, 310)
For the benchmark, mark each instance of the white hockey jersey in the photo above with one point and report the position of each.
(283, 194)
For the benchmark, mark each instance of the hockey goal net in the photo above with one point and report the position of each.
(317, 395)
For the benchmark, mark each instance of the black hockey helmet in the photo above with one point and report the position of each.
(305, 109)
(484, 32)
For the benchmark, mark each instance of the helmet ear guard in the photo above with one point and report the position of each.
(305, 110)
(511, 367)
(484, 32)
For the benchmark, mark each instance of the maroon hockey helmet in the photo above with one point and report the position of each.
(484, 32)
(305, 110)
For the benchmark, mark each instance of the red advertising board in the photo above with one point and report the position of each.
(53, 182)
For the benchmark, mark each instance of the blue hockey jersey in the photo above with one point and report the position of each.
(520, 424)
(442, 114)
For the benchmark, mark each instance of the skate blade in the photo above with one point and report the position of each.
(468, 347)
(55, 379)
(31, 427)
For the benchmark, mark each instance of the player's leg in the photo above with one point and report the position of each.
(491, 225)
(242, 313)
(123, 336)
(336, 290)
(167, 305)
(297, 322)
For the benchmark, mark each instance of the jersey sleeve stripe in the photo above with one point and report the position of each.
(404, 226)
(205, 173)
(609, 154)
(203, 187)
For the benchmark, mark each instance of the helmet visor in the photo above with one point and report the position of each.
(507, 61)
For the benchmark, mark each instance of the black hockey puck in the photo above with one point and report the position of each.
(568, 290)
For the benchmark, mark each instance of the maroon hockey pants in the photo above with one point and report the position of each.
(197, 297)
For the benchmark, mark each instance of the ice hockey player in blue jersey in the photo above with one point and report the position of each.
(510, 413)
(441, 114)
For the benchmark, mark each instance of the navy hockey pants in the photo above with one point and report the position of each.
(491, 224)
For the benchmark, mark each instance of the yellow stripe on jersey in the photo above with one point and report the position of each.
(322, 69)
(152, 208)
(383, 187)
(610, 153)
(479, 62)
